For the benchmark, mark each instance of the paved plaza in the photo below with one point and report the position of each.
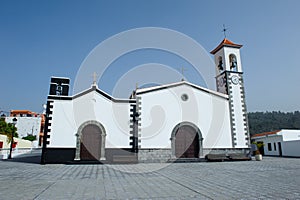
(272, 178)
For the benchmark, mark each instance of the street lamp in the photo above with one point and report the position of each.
(12, 138)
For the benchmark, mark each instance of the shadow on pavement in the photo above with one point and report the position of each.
(33, 157)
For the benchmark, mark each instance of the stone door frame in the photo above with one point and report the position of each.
(173, 137)
(79, 136)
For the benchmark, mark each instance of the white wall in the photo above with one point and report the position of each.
(238, 115)
(69, 115)
(63, 127)
(27, 125)
(290, 135)
(162, 110)
(291, 148)
(20, 142)
(273, 140)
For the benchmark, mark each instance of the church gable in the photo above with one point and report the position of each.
(174, 85)
(163, 108)
(87, 92)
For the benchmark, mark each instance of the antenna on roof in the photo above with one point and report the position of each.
(224, 30)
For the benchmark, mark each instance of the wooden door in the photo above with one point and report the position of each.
(90, 145)
(186, 143)
(279, 149)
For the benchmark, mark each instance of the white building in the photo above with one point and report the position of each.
(280, 143)
(27, 125)
(157, 124)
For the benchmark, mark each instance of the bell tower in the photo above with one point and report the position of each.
(229, 80)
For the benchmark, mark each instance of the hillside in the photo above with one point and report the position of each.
(269, 121)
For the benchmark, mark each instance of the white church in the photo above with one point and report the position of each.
(156, 124)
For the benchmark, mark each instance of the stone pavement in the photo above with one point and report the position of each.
(272, 178)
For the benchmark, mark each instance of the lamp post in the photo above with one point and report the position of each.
(12, 138)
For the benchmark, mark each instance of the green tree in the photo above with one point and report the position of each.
(7, 129)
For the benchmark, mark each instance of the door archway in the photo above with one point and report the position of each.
(90, 143)
(186, 141)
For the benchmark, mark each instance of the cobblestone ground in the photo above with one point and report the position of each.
(272, 178)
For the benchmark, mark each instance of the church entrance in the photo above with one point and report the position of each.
(90, 142)
(186, 142)
(90, 145)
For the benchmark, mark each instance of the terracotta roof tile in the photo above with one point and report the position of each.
(265, 133)
(227, 43)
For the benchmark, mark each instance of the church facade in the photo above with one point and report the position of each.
(156, 124)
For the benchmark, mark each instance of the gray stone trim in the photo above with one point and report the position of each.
(134, 136)
(49, 117)
(156, 155)
(245, 151)
(245, 114)
(244, 109)
(173, 137)
(79, 135)
(139, 119)
(231, 109)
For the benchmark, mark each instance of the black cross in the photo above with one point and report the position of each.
(224, 30)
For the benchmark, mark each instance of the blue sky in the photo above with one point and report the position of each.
(40, 38)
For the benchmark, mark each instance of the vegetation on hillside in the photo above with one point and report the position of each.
(271, 121)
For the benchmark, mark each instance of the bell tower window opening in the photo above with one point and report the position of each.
(59, 89)
(233, 62)
(220, 64)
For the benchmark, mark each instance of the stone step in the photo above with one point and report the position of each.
(185, 160)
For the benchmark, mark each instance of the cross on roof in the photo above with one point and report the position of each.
(224, 30)
(94, 78)
(182, 69)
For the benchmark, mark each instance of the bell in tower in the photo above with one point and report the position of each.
(59, 86)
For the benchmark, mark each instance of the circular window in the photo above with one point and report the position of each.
(184, 97)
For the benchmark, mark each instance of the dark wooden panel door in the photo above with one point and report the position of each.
(90, 145)
(279, 149)
(186, 143)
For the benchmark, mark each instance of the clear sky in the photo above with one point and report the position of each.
(44, 38)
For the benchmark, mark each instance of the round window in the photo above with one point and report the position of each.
(184, 97)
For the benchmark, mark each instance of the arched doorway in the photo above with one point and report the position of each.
(186, 141)
(90, 141)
